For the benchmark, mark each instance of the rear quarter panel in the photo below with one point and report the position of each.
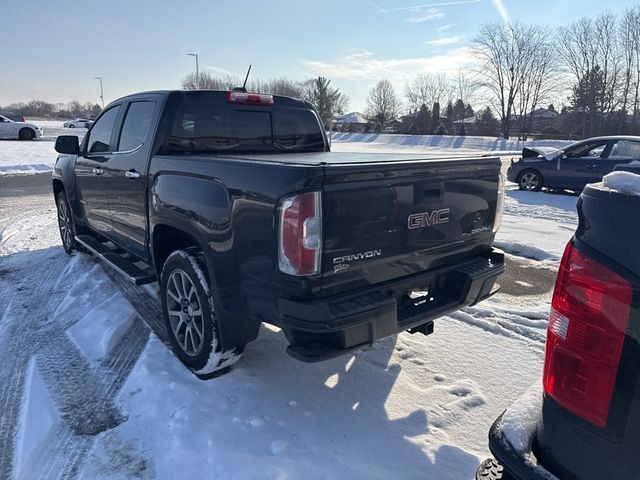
(230, 207)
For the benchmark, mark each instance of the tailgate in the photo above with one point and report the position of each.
(383, 221)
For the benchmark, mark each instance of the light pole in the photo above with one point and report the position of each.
(101, 91)
(197, 69)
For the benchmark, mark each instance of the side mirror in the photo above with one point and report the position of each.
(67, 144)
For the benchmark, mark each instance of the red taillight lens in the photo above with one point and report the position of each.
(245, 98)
(587, 325)
(300, 242)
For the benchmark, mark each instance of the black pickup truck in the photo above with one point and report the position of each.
(585, 424)
(233, 202)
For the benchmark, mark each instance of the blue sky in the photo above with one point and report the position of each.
(61, 45)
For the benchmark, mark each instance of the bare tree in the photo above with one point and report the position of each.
(205, 81)
(427, 89)
(382, 104)
(587, 46)
(629, 39)
(507, 54)
(538, 78)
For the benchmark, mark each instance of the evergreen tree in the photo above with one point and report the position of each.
(423, 120)
(488, 125)
(435, 117)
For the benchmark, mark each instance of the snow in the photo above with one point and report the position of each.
(351, 142)
(20, 157)
(622, 182)
(409, 407)
(520, 422)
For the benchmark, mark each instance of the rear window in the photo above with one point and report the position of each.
(200, 127)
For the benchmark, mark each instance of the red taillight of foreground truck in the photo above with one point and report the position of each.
(587, 325)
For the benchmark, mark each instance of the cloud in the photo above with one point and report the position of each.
(445, 27)
(502, 10)
(419, 15)
(441, 42)
(365, 65)
(222, 71)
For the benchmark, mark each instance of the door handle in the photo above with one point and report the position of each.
(98, 170)
(132, 174)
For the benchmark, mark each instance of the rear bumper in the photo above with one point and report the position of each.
(333, 326)
(509, 460)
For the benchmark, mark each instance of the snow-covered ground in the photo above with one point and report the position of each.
(358, 142)
(17, 157)
(90, 390)
(20, 157)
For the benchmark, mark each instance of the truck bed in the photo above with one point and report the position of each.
(353, 158)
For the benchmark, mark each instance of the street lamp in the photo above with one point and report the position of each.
(101, 91)
(197, 69)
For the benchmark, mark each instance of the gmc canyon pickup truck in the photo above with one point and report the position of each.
(234, 203)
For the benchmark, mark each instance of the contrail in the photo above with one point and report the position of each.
(440, 4)
(380, 9)
(502, 10)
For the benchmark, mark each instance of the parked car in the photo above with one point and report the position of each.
(574, 166)
(78, 123)
(586, 425)
(18, 130)
(233, 202)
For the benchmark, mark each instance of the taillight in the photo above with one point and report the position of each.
(245, 98)
(300, 239)
(587, 325)
(497, 221)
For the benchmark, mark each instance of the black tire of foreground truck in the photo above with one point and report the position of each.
(189, 311)
(65, 224)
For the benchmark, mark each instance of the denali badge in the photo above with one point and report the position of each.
(342, 263)
(427, 219)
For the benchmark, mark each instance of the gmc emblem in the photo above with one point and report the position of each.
(428, 219)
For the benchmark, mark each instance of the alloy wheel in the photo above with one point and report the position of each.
(185, 312)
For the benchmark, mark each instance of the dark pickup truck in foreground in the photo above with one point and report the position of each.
(586, 424)
(233, 202)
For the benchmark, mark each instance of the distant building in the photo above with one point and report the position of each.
(354, 122)
(392, 126)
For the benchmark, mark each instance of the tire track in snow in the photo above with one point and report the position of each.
(63, 458)
(35, 324)
(498, 318)
(14, 347)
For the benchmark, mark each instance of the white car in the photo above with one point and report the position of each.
(77, 123)
(20, 130)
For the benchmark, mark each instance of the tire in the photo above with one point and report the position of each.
(66, 225)
(26, 134)
(530, 180)
(492, 470)
(188, 307)
(71, 125)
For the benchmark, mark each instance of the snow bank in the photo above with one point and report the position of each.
(622, 182)
(381, 142)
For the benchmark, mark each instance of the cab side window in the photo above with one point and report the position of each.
(589, 150)
(136, 125)
(100, 135)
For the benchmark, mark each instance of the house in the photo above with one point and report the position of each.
(354, 122)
